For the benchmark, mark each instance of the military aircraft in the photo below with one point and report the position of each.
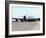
(26, 19)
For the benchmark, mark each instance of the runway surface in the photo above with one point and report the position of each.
(24, 26)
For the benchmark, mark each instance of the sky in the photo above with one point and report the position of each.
(28, 11)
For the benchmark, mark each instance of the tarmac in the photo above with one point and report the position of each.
(24, 26)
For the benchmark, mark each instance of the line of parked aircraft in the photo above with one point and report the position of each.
(26, 20)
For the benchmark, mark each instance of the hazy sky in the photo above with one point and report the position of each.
(21, 11)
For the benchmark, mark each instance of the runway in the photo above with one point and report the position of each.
(24, 26)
